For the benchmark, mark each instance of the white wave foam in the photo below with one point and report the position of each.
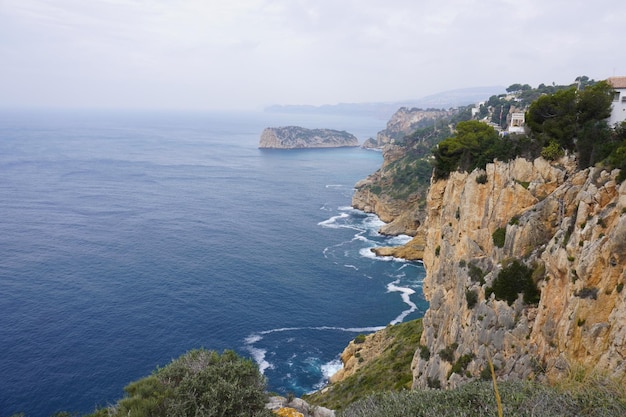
(367, 253)
(405, 293)
(253, 338)
(351, 266)
(331, 368)
(334, 185)
(399, 240)
(259, 358)
(332, 222)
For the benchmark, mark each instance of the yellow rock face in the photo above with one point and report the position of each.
(570, 228)
(288, 412)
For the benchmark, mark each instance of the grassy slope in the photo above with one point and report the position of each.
(391, 371)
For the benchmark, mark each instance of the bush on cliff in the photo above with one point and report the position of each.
(199, 383)
(514, 279)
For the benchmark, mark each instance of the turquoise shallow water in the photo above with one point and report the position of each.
(128, 239)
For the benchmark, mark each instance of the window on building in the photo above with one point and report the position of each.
(616, 96)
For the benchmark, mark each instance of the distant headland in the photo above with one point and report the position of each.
(295, 137)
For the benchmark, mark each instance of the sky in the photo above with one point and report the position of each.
(248, 54)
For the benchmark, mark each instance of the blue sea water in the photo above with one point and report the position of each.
(127, 239)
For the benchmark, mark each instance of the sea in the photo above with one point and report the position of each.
(128, 238)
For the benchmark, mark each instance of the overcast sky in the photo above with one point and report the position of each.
(228, 54)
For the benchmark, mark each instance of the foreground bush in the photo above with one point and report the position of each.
(519, 399)
(199, 383)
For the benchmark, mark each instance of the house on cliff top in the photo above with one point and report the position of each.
(618, 110)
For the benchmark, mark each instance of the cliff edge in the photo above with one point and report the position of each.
(567, 228)
(295, 137)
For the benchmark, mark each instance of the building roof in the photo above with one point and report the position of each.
(617, 82)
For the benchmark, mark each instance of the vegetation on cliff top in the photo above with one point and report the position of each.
(567, 120)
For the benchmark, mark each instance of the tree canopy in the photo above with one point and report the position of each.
(575, 120)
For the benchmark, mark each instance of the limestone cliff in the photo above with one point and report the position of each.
(295, 137)
(569, 227)
(404, 122)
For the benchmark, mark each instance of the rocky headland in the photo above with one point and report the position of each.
(404, 122)
(295, 137)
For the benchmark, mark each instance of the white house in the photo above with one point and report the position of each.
(618, 110)
(517, 123)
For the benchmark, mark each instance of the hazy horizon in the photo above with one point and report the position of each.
(250, 54)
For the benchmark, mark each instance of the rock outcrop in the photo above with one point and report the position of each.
(404, 122)
(569, 228)
(295, 137)
(401, 215)
(296, 407)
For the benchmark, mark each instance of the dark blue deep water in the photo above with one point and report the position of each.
(127, 239)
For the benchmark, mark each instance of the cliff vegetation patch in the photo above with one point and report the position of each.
(514, 279)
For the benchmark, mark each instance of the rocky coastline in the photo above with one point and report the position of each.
(569, 226)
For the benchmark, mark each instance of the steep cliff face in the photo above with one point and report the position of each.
(404, 122)
(401, 215)
(569, 228)
(295, 137)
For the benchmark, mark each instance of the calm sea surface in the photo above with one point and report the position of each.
(127, 239)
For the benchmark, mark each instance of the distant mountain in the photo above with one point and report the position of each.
(443, 100)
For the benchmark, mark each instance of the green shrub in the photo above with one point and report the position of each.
(552, 152)
(514, 220)
(620, 287)
(481, 178)
(461, 364)
(588, 292)
(447, 353)
(437, 250)
(476, 274)
(471, 297)
(359, 339)
(512, 280)
(200, 382)
(424, 352)
(433, 383)
(499, 237)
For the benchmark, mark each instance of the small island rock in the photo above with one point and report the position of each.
(295, 137)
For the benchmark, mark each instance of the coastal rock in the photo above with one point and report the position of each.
(296, 407)
(357, 355)
(404, 122)
(569, 227)
(411, 251)
(401, 215)
(295, 137)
